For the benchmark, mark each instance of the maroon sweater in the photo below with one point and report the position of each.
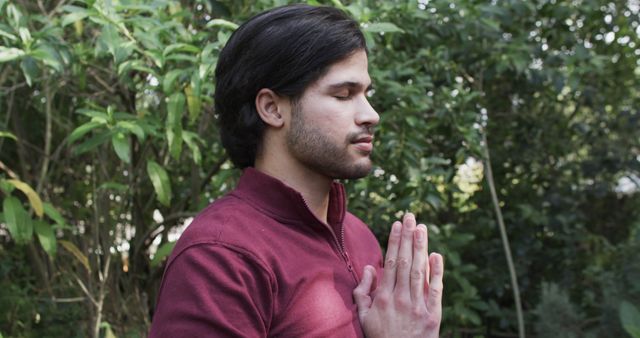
(258, 263)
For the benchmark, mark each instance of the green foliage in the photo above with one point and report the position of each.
(556, 315)
(630, 318)
(108, 144)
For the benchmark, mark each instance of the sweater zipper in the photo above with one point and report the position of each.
(340, 244)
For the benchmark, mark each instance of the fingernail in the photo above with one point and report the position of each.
(396, 228)
(419, 235)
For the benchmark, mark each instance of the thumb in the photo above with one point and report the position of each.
(362, 293)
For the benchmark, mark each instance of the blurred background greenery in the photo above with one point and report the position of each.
(108, 148)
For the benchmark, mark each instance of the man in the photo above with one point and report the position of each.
(280, 256)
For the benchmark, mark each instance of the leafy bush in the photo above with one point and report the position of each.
(108, 145)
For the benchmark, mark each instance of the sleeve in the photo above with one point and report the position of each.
(211, 290)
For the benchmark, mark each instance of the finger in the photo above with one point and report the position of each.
(405, 254)
(391, 258)
(434, 301)
(427, 272)
(362, 293)
(419, 264)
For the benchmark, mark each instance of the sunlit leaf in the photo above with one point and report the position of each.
(133, 128)
(181, 47)
(7, 34)
(194, 105)
(73, 17)
(8, 134)
(25, 35)
(191, 140)
(160, 182)
(121, 146)
(222, 23)
(73, 249)
(163, 251)
(382, 27)
(34, 199)
(8, 54)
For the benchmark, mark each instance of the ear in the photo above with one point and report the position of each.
(270, 107)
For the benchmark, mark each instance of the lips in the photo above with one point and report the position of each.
(364, 143)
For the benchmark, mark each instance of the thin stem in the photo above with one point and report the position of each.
(47, 138)
(505, 239)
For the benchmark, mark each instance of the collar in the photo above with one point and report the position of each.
(286, 204)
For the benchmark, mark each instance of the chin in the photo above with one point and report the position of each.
(355, 171)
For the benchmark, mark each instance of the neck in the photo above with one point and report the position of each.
(314, 187)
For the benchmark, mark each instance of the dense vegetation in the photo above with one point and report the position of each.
(108, 145)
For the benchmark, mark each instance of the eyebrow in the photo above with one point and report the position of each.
(349, 84)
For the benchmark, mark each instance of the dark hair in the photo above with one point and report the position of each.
(284, 49)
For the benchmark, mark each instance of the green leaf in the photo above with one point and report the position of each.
(55, 215)
(382, 27)
(7, 34)
(111, 39)
(18, 222)
(630, 318)
(10, 53)
(8, 134)
(181, 47)
(156, 56)
(93, 142)
(49, 56)
(73, 249)
(160, 182)
(163, 251)
(82, 130)
(46, 237)
(29, 69)
(34, 199)
(194, 104)
(25, 35)
(93, 113)
(135, 65)
(182, 57)
(170, 78)
(6, 187)
(133, 128)
(14, 14)
(121, 146)
(175, 110)
(113, 186)
(190, 139)
(73, 17)
(222, 23)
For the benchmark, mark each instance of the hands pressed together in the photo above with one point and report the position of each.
(407, 301)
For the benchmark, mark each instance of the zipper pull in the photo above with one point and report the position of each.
(349, 265)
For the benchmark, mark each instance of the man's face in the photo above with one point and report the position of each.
(331, 130)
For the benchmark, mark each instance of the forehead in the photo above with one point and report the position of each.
(352, 69)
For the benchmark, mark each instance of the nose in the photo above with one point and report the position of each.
(366, 114)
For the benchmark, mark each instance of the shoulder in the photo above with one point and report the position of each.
(227, 222)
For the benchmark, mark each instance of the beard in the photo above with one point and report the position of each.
(318, 152)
